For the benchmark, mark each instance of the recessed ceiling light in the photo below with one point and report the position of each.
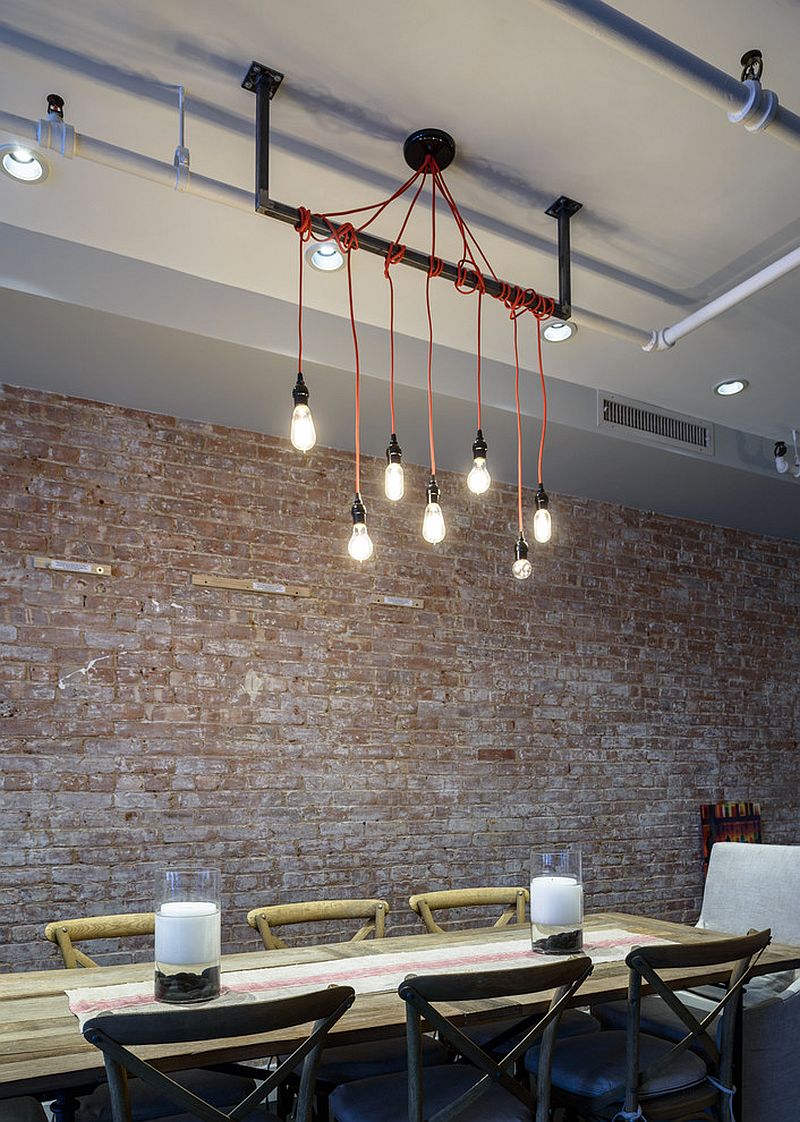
(558, 331)
(732, 386)
(23, 164)
(325, 256)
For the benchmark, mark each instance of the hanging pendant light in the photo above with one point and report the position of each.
(542, 522)
(433, 527)
(479, 479)
(302, 433)
(522, 567)
(393, 481)
(360, 545)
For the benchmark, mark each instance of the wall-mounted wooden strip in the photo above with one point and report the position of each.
(72, 566)
(206, 580)
(396, 601)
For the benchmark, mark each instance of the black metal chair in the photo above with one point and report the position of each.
(114, 1034)
(485, 1086)
(630, 1074)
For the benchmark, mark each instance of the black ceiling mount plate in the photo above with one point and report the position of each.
(563, 205)
(429, 142)
(258, 72)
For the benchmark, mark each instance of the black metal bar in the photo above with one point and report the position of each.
(262, 138)
(289, 214)
(562, 210)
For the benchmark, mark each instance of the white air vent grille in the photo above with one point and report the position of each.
(651, 425)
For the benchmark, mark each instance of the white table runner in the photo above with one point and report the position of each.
(373, 973)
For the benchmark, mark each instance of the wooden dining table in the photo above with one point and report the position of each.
(43, 1053)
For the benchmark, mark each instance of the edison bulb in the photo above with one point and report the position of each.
(542, 525)
(433, 527)
(360, 545)
(303, 435)
(522, 568)
(394, 482)
(479, 479)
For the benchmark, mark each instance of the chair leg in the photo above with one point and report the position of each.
(285, 1100)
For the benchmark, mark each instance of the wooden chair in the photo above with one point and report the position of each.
(318, 911)
(486, 1086)
(513, 900)
(345, 1062)
(115, 1034)
(631, 1073)
(68, 931)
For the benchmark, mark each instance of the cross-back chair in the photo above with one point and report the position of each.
(513, 900)
(115, 1034)
(632, 1074)
(345, 1062)
(486, 1086)
(266, 919)
(67, 932)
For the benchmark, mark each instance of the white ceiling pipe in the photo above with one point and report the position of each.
(745, 102)
(669, 336)
(53, 134)
(19, 127)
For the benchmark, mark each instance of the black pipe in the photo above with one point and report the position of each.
(380, 247)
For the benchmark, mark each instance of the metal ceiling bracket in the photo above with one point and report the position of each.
(562, 210)
(263, 81)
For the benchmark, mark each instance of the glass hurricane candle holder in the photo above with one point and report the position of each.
(557, 900)
(188, 935)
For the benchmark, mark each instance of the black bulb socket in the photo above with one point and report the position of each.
(542, 499)
(300, 392)
(521, 548)
(433, 490)
(358, 510)
(394, 453)
(479, 446)
(780, 449)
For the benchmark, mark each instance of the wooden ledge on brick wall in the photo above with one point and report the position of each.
(210, 580)
(62, 566)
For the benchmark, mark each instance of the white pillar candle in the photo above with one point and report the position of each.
(188, 933)
(556, 901)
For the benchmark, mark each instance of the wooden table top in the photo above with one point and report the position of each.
(42, 1049)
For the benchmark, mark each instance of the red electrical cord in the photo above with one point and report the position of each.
(480, 306)
(519, 425)
(431, 273)
(303, 228)
(544, 393)
(358, 373)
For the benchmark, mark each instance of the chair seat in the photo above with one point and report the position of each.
(376, 1057)
(147, 1104)
(589, 1066)
(656, 1018)
(385, 1098)
(573, 1023)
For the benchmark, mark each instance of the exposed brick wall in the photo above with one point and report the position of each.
(331, 747)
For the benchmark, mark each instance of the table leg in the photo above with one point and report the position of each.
(64, 1106)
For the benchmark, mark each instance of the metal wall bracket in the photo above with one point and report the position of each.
(263, 81)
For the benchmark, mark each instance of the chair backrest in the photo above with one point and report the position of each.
(114, 1034)
(715, 1042)
(423, 993)
(317, 911)
(513, 900)
(753, 886)
(68, 931)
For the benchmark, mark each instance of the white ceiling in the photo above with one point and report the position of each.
(678, 206)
